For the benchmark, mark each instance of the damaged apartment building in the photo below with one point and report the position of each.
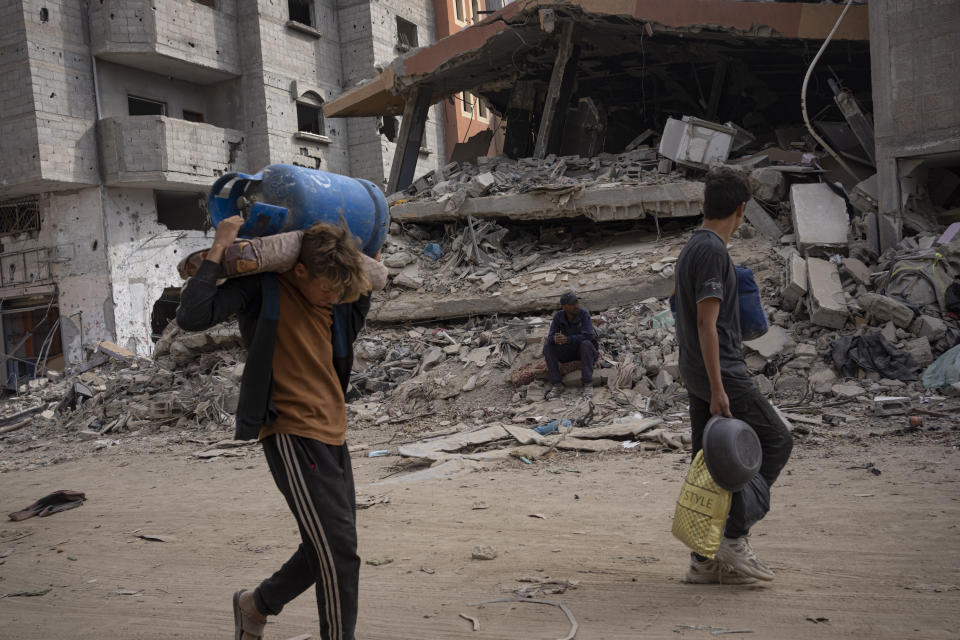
(117, 117)
(577, 85)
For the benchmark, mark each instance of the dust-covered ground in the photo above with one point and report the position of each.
(857, 555)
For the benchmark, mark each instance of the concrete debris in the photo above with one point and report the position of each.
(608, 187)
(883, 309)
(769, 344)
(768, 185)
(827, 300)
(762, 221)
(820, 219)
(795, 287)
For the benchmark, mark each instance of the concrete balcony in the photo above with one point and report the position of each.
(179, 38)
(157, 152)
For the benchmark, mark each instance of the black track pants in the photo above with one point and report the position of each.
(317, 481)
(750, 504)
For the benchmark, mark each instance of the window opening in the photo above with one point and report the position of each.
(19, 216)
(164, 310)
(146, 107)
(458, 10)
(310, 119)
(192, 116)
(301, 11)
(180, 210)
(406, 34)
(466, 102)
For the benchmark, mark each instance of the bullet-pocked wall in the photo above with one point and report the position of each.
(300, 70)
(370, 41)
(143, 255)
(72, 239)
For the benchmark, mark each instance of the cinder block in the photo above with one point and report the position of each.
(826, 299)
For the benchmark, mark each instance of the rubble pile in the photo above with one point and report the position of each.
(556, 175)
(193, 384)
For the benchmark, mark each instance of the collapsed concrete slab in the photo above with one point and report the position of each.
(820, 218)
(597, 296)
(604, 203)
(762, 221)
(827, 301)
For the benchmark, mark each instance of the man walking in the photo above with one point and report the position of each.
(716, 376)
(571, 337)
(299, 328)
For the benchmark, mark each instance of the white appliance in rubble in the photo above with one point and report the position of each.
(696, 143)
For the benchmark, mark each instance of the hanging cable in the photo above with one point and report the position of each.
(803, 95)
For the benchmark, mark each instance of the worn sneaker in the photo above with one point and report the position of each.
(555, 391)
(709, 571)
(736, 554)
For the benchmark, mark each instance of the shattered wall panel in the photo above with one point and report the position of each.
(143, 257)
(71, 230)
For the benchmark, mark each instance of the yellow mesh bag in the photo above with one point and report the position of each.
(702, 510)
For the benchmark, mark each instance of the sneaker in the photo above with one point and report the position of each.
(736, 554)
(709, 571)
(555, 391)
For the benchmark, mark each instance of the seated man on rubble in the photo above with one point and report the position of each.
(571, 337)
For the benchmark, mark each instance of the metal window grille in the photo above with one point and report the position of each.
(18, 216)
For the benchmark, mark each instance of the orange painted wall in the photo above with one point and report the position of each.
(457, 125)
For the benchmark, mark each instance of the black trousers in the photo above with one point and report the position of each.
(317, 481)
(749, 505)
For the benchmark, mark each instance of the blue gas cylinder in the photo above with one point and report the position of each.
(284, 197)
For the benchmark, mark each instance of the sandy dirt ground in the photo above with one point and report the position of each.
(857, 555)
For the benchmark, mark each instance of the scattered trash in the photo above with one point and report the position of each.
(154, 538)
(50, 504)
(378, 561)
(433, 251)
(473, 621)
(379, 453)
(573, 621)
(27, 594)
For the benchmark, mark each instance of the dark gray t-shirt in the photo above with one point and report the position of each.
(705, 270)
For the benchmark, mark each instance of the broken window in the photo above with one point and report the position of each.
(181, 210)
(466, 102)
(310, 114)
(20, 215)
(31, 331)
(474, 10)
(192, 116)
(482, 112)
(164, 310)
(301, 11)
(406, 35)
(146, 107)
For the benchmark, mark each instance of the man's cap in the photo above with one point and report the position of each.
(732, 452)
(568, 298)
